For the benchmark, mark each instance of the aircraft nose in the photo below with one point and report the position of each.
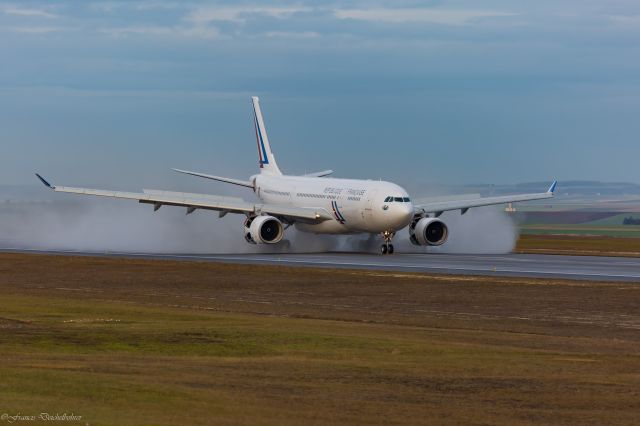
(407, 213)
(403, 213)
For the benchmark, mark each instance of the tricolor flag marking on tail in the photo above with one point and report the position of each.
(262, 152)
(267, 161)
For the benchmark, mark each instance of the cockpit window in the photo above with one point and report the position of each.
(391, 199)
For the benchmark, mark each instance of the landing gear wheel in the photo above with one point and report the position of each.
(387, 247)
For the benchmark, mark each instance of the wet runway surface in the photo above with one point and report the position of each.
(520, 265)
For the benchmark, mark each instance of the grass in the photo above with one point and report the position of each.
(132, 342)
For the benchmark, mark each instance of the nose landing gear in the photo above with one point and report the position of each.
(387, 247)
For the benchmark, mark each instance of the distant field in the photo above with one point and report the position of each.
(616, 220)
(131, 342)
(585, 229)
(577, 222)
(571, 217)
(579, 245)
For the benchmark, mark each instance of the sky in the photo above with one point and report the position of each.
(114, 94)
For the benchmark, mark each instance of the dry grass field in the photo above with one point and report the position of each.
(131, 342)
(581, 245)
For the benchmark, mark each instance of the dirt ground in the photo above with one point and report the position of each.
(122, 341)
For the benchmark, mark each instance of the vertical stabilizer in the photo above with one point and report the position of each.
(267, 161)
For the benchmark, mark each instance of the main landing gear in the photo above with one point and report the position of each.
(387, 247)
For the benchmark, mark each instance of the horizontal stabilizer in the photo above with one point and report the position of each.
(192, 196)
(218, 178)
(319, 174)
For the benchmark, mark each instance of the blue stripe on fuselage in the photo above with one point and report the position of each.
(339, 216)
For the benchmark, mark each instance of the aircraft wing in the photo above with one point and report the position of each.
(193, 202)
(463, 205)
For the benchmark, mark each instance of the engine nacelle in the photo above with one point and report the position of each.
(428, 231)
(263, 230)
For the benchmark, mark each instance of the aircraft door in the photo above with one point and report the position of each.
(367, 212)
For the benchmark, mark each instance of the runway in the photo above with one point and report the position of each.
(512, 265)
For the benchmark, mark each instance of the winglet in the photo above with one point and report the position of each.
(552, 188)
(44, 181)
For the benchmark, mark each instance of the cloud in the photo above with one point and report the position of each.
(33, 30)
(464, 76)
(436, 16)
(207, 32)
(203, 15)
(39, 13)
(142, 30)
(198, 23)
(292, 34)
(630, 21)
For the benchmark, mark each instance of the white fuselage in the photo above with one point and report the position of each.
(355, 205)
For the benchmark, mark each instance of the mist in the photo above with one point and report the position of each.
(116, 226)
(482, 230)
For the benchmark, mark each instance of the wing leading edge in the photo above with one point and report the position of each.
(200, 201)
(464, 205)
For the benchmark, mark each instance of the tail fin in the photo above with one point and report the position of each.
(268, 163)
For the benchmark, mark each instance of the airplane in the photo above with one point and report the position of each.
(314, 202)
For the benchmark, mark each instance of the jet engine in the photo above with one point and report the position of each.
(263, 230)
(428, 231)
